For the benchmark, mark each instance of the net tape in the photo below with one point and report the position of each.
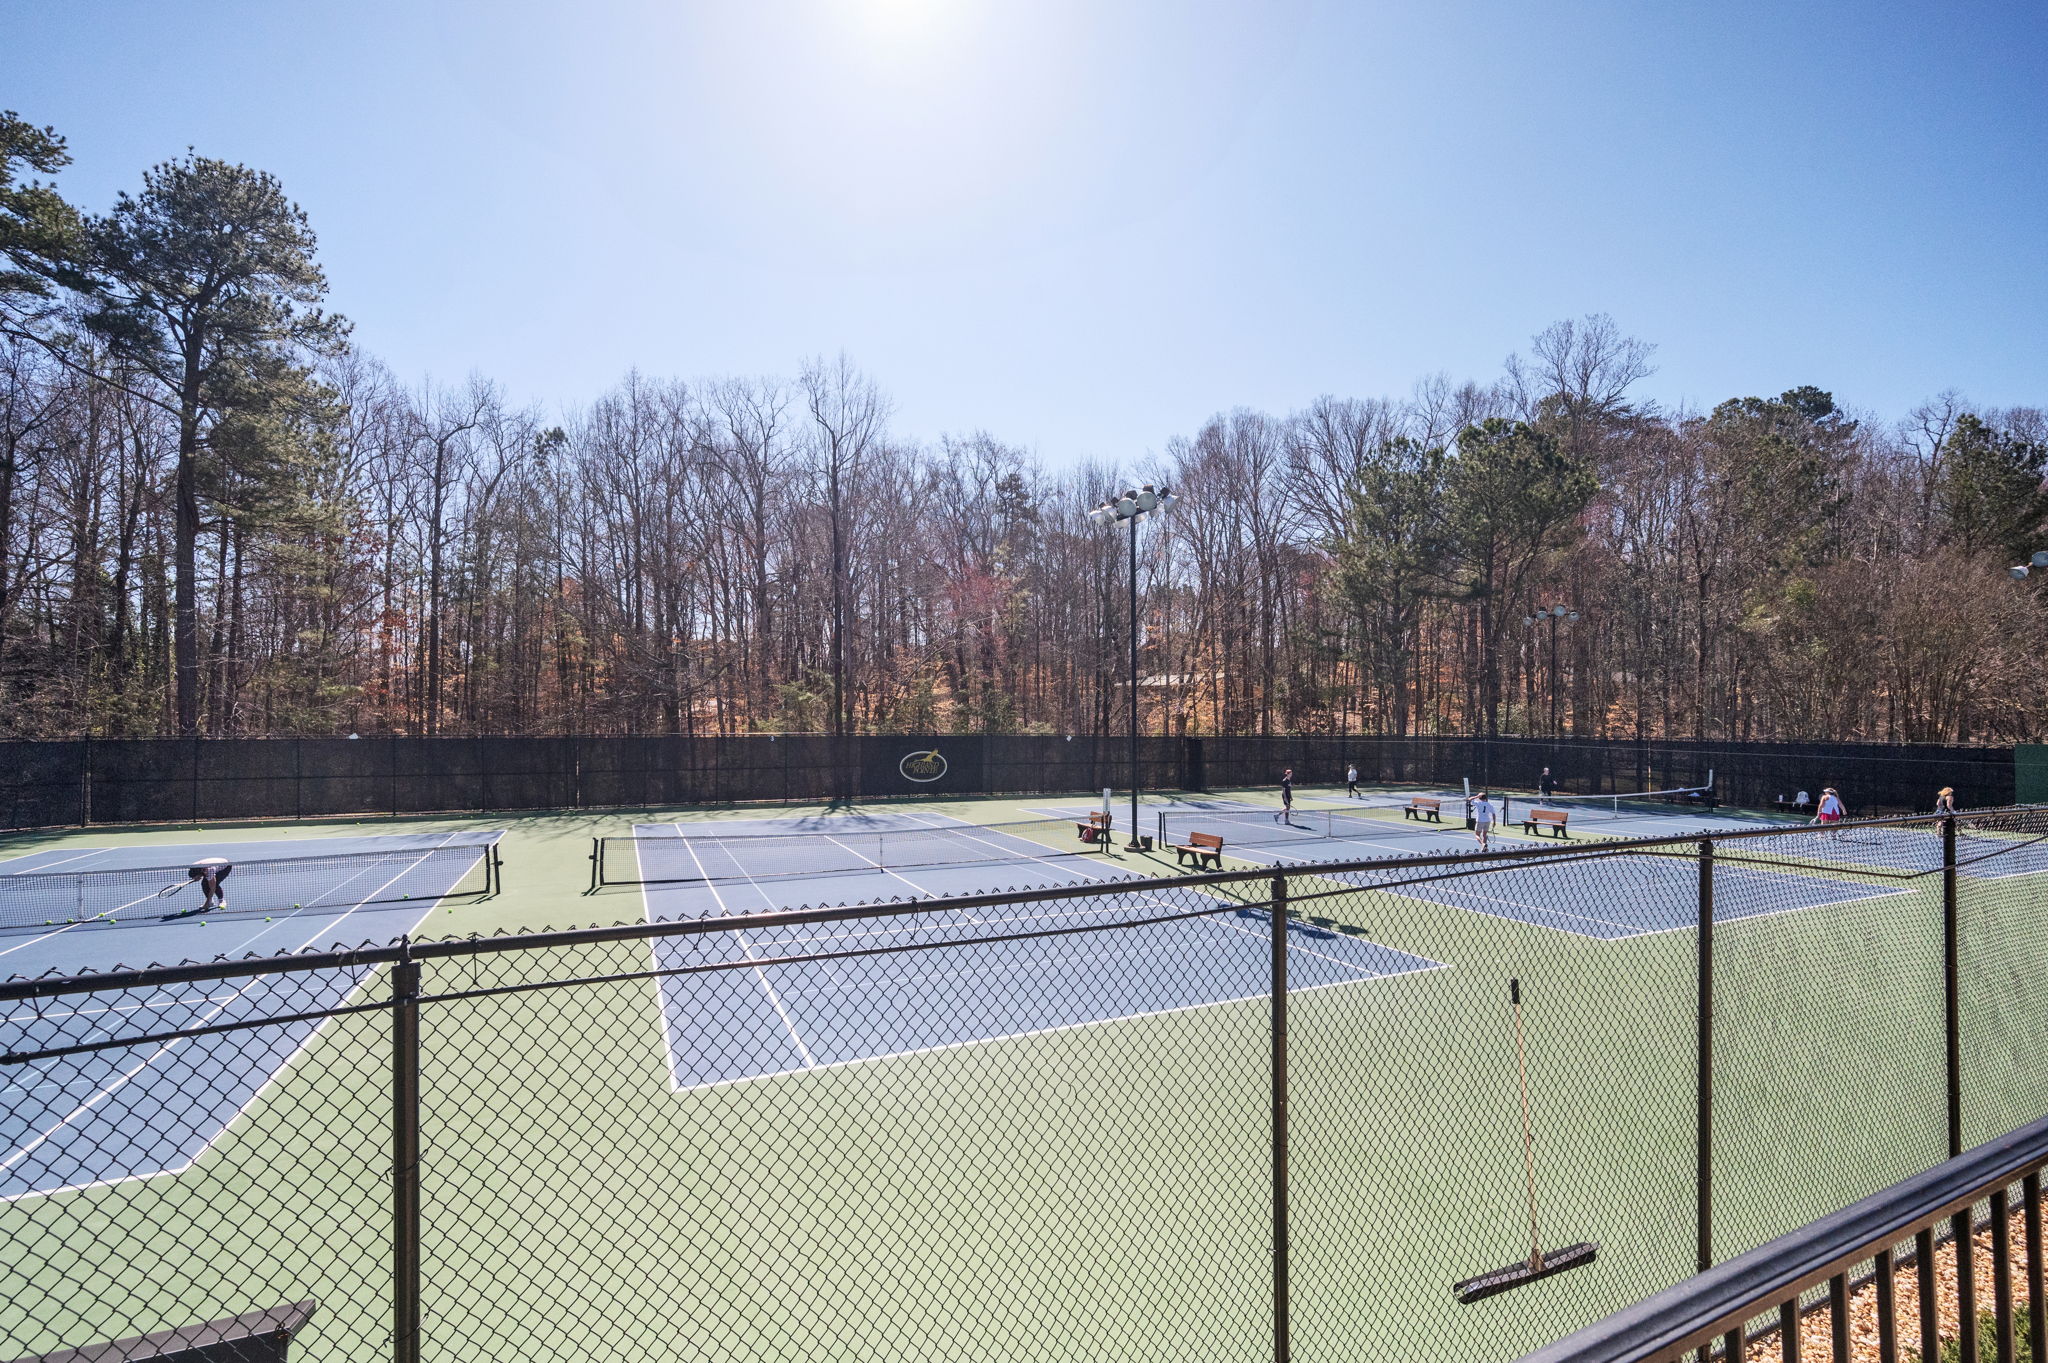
(257, 885)
(1598, 808)
(661, 859)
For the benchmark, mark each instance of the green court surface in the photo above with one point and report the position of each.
(1087, 1192)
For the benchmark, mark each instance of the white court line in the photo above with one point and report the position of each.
(774, 999)
(1188, 924)
(1051, 1031)
(126, 1076)
(96, 1012)
(1630, 928)
(44, 866)
(1086, 871)
(1746, 917)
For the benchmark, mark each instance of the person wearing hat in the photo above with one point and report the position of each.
(1830, 810)
(1945, 800)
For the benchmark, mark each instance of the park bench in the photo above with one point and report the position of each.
(1423, 807)
(1095, 830)
(1201, 848)
(1536, 820)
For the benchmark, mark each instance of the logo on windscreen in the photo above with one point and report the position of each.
(922, 766)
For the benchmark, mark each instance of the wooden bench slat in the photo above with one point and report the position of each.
(1202, 848)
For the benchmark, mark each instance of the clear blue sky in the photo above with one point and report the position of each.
(1085, 225)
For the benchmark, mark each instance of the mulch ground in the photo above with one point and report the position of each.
(1816, 1337)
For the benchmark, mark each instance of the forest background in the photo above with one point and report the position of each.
(220, 517)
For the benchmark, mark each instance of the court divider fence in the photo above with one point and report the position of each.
(1269, 1114)
(110, 781)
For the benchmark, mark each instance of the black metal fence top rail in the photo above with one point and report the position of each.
(48, 986)
(1705, 1307)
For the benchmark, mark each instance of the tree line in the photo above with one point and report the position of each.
(219, 516)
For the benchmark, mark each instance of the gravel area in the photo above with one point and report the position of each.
(1816, 1338)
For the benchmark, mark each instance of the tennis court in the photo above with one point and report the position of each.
(120, 1114)
(1982, 854)
(731, 1025)
(1605, 897)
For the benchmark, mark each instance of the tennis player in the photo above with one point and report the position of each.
(1830, 810)
(1286, 814)
(210, 872)
(1351, 781)
(1945, 800)
(1546, 784)
(1483, 815)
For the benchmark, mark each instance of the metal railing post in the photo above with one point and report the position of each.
(1952, 1029)
(1929, 1293)
(1704, 1166)
(405, 1157)
(1282, 1334)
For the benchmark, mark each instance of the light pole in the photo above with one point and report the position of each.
(1133, 506)
(1552, 616)
(2019, 571)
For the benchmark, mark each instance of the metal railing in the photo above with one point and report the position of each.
(1257, 1114)
(1872, 1240)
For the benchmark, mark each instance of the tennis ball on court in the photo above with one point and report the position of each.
(295, 906)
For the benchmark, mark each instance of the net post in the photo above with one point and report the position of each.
(596, 863)
(405, 1156)
(1282, 1333)
(1704, 1157)
(1951, 988)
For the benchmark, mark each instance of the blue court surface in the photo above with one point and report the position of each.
(1625, 895)
(1601, 897)
(733, 1025)
(132, 1112)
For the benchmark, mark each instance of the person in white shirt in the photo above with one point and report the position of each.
(1830, 810)
(1483, 815)
(1351, 781)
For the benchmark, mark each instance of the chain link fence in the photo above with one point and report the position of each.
(1254, 1115)
(108, 781)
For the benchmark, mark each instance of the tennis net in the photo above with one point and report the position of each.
(256, 885)
(1598, 808)
(704, 854)
(1265, 828)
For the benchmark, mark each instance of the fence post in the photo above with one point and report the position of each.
(405, 1157)
(1960, 1227)
(1704, 1170)
(1950, 988)
(1282, 1350)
